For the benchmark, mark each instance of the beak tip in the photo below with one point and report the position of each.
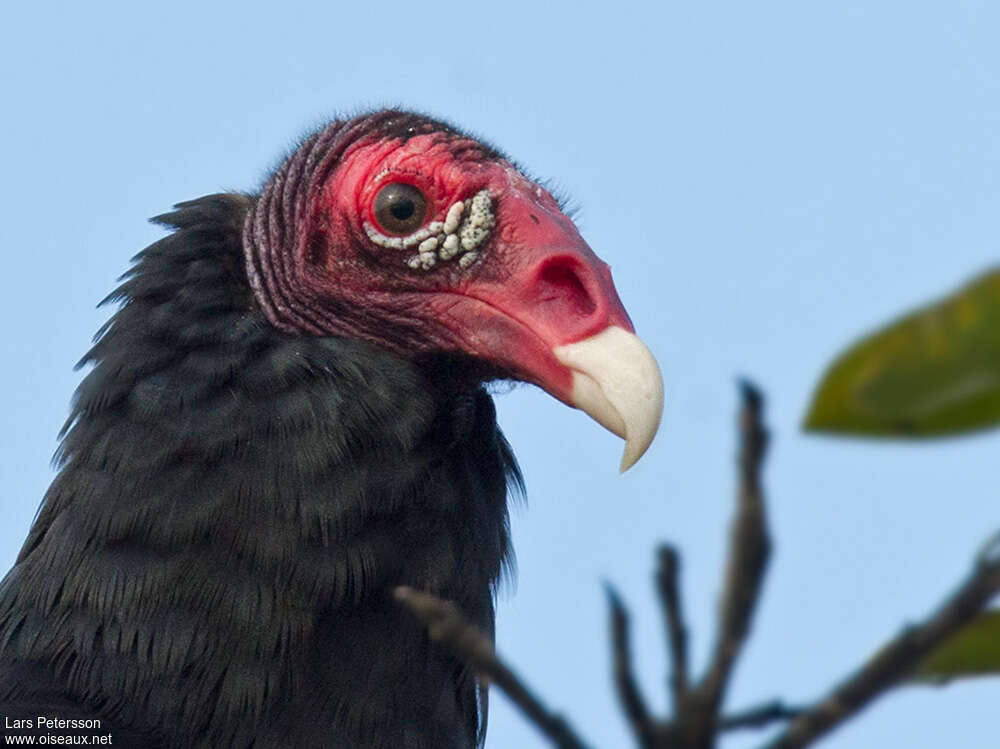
(618, 383)
(636, 448)
(627, 462)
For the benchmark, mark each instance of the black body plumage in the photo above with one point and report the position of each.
(213, 564)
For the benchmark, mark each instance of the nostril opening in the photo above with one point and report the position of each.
(561, 285)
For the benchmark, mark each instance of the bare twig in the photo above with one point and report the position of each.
(749, 550)
(760, 716)
(668, 583)
(446, 624)
(632, 701)
(897, 659)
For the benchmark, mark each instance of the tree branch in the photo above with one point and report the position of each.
(760, 716)
(629, 694)
(668, 584)
(749, 551)
(898, 658)
(445, 624)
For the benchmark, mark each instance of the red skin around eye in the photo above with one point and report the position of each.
(536, 286)
(425, 161)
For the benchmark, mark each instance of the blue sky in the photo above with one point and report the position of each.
(767, 179)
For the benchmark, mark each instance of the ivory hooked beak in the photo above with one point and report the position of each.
(617, 382)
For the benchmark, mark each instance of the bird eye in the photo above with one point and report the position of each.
(400, 208)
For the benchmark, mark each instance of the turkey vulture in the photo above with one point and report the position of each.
(285, 419)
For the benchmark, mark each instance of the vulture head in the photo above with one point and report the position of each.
(404, 232)
(284, 422)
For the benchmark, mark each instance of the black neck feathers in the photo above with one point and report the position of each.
(214, 561)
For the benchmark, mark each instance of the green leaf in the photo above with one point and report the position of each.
(934, 372)
(973, 651)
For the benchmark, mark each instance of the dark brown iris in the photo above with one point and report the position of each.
(400, 208)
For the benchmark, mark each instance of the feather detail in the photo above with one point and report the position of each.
(210, 566)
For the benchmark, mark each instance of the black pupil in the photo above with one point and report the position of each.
(402, 208)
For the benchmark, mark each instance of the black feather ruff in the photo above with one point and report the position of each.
(213, 563)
